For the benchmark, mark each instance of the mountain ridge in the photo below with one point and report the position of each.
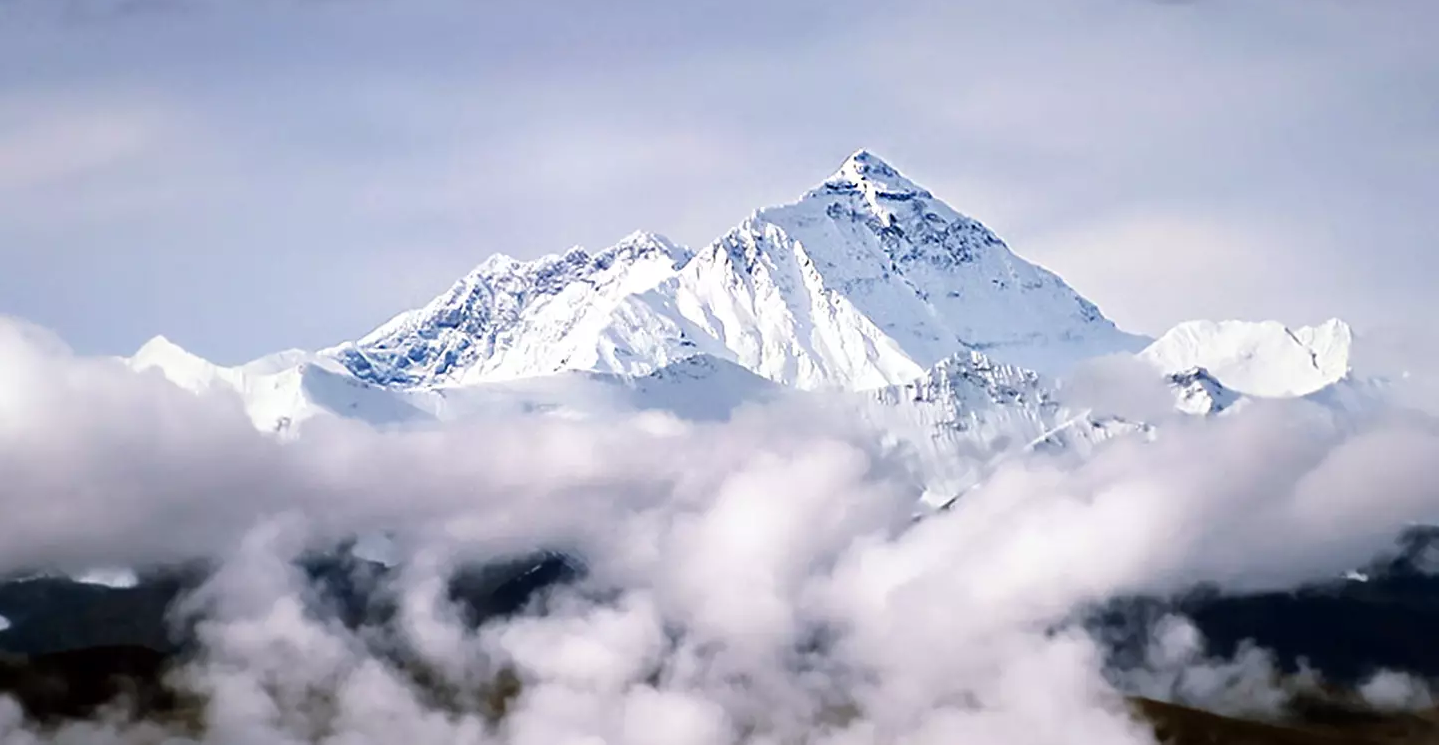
(1263, 358)
(921, 318)
(864, 281)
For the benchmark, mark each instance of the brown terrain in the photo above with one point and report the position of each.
(66, 686)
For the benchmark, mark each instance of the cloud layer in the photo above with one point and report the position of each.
(754, 581)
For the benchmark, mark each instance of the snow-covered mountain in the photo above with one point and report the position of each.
(866, 281)
(282, 390)
(1261, 359)
(511, 319)
(1198, 392)
(968, 414)
(867, 288)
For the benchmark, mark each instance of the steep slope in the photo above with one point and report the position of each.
(1197, 392)
(1257, 358)
(866, 281)
(968, 415)
(184, 369)
(970, 398)
(950, 423)
(511, 319)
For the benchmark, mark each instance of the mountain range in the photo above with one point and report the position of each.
(867, 292)
(867, 289)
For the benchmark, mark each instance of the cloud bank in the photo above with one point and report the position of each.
(756, 581)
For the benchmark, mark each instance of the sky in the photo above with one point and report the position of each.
(245, 177)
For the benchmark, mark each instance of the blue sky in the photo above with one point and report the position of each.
(250, 176)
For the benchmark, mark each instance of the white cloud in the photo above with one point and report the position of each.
(1392, 691)
(755, 577)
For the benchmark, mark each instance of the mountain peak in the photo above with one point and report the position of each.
(867, 173)
(864, 161)
(159, 350)
(182, 367)
(509, 318)
(644, 243)
(1264, 358)
(157, 343)
(497, 263)
(641, 244)
(864, 282)
(1197, 391)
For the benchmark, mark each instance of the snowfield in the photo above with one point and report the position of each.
(1262, 359)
